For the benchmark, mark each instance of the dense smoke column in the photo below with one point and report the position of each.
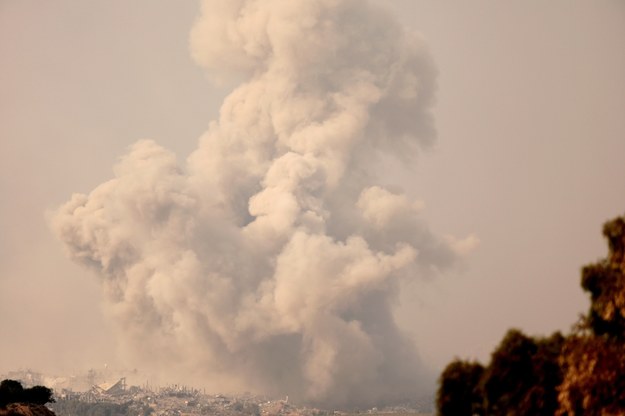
(270, 261)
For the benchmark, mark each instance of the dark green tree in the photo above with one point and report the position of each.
(581, 374)
(523, 376)
(605, 281)
(11, 391)
(506, 379)
(38, 395)
(458, 394)
(593, 358)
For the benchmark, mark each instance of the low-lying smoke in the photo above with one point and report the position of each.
(270, 261)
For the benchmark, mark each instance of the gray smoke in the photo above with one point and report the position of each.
(271, 260)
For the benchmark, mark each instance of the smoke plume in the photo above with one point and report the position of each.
(271, 260)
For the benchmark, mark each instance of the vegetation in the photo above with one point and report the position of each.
(459, 393)
(12, 391)
(580, 374)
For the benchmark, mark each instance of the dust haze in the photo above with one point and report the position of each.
(271, 259)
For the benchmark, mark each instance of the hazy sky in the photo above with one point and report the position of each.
(529, 158)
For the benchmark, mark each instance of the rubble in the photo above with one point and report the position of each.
(116, 398)
(176, 401)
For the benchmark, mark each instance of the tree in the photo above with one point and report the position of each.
(38, 395)
(11, 391)
(523, 376)
(594, 377)
(458, 394)
(605, 281)
(580, 374)
(593, 357)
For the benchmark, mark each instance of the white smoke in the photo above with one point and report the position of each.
(271, 260)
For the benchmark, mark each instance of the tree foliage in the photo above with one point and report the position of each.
(38, 395)
(459, 395)
(594, 377)
(12, 391)
(593, 359)
(605, 281)
(580, 374)
(523, 376)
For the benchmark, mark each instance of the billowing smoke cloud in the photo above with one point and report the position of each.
(271, 260)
